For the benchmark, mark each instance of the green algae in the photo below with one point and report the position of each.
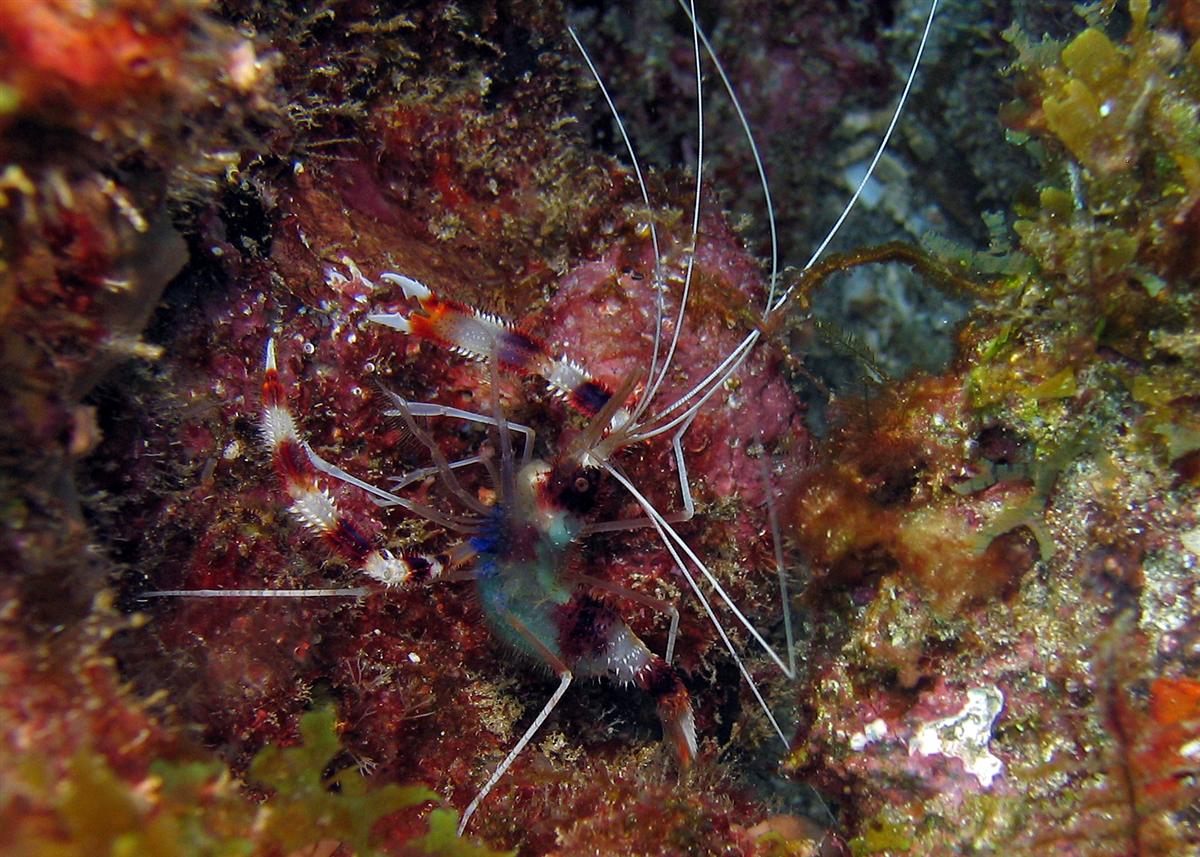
(181, 810)
(1116, 126)
(307, 807)
(198, 809)
(1115, 122)
(883, 835)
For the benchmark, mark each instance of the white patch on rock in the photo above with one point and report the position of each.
(1191, 540)
(965, 735)
(872, 732)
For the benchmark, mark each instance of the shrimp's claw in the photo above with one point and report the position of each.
(411, 288)
(391, 319)
(663, 682)
(679, 726)
(598, 641)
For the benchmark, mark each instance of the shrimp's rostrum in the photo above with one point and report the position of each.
(588, 484)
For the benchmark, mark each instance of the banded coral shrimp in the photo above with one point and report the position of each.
(665, 428)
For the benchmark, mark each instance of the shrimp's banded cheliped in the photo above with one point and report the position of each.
(584, 478)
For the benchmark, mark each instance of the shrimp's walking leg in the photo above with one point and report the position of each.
(598, 640)
(429, 409)
(315, 507)
(664, 607)
(444, 470)
(564, 681)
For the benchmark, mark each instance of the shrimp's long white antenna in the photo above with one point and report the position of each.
(691, 259)
(883, 143)
(777, 544)
(708, 386)
(637, 171)
(712, 381)
(354, 592)
(734, 359)
(758, 161)
(670, 540)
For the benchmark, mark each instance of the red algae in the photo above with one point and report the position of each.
(59, 51)
(914, 492)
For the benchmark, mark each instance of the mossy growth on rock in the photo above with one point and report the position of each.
(197, 809)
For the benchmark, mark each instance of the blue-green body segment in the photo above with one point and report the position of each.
(519, 576)
(534, 604)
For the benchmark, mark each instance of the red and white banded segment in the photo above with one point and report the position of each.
(598, 642)
(315, 507)
(478, 335)
(632, 662)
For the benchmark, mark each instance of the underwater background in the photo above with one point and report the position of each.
(977, 418)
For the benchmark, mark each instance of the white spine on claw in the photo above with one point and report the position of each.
(391, 570)
(278, 426)
(315, 509)
(386, 569)
(687, 728)
(626, 655)
(565, 376)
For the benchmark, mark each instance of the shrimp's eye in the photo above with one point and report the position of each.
(575, 489)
